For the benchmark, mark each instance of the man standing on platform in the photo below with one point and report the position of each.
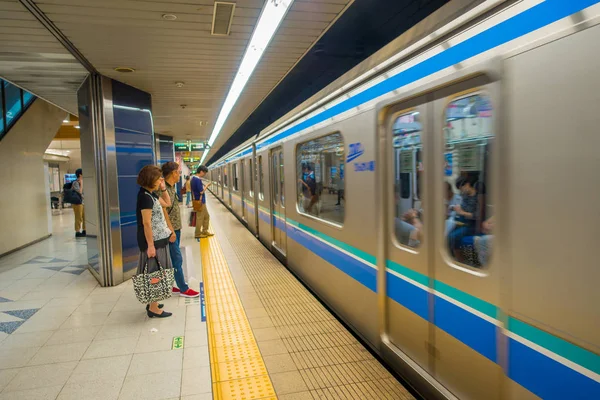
(172, 175)
(199, 203)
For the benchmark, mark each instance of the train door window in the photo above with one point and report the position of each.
(234, 176)
(261, 186)
(225, 177)
(275, 171)
(251, 175)
(281, 179)
(320, 169)
(408, 171)
(469, 216)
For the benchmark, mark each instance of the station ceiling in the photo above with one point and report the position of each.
(318, 41)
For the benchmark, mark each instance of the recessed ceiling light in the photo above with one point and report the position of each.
(169, 17)
(202, 123)
(179, 84)
(124, 69)
(77, 127)
(66, 121)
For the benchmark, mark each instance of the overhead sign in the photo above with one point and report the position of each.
(197, 146)
(182, 147)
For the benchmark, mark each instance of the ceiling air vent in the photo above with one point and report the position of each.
(222, 17)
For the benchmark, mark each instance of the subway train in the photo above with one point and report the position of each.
(444, 203)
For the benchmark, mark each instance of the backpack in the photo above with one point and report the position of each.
(70, 195)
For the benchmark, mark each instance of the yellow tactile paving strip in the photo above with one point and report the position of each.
(327, 362)
(238, 370)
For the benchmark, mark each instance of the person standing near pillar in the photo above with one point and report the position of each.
(172, 173)
(78, 204)
(199, 203)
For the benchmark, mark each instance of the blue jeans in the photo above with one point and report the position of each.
(188, 198)
(456, 236)
(177, 260)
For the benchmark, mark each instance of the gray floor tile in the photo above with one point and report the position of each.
(16, 357)
(157, 342)
(41, 376)
(163, 385)
(46, 393)
(111, 347)
(73, 335)
(196, 381)
(59, 353)
(23, 340)
(92, 390)
(6, 375)
(195, 357)
(150, 363)
(101, 369)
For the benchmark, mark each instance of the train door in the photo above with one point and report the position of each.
(278, 226)
(407, 252)
(466, 276)
(228, 185)
(243, 189)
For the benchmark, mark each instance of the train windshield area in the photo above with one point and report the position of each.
(320, 168)
(469, 225)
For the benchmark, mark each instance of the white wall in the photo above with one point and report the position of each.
(24, 211)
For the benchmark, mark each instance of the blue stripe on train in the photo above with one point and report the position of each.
(530, 20)
(546, 377)
(474, 331)
(349, 265)
(534, 371)
(408, 295)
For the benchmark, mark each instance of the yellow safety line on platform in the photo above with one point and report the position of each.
(238, 370)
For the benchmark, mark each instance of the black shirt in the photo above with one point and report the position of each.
(145, 202)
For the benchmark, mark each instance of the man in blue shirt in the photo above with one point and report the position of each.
(202, 217)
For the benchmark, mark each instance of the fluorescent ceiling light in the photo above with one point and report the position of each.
(66, 121)
(77, 127)
(270, 18)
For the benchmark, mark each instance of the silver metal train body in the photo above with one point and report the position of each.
(453, 252)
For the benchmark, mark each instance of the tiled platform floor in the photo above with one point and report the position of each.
(64, 337)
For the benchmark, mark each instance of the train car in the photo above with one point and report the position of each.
(424, 201)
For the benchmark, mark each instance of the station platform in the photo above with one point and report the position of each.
(257, 333)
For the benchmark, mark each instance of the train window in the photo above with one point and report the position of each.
(469, 216)
(251, 175)
(225, 176)
(234, 175)
(275, 172)
(320, 168)
(261, 186)
(408, 170)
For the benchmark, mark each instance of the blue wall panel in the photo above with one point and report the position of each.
(134, 146)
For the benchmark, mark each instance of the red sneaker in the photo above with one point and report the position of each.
(189, 293)
(176, 290)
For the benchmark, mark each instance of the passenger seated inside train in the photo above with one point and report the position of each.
(409, 229)
(466, 216)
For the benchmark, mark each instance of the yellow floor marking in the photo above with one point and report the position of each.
(237, 367)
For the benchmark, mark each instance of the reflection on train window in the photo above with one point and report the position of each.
(235, 176)
(261, 187)
(408, 170)
(469, 137)
(320, 168)
(251, 175)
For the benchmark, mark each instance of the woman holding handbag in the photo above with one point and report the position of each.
(153, 235)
